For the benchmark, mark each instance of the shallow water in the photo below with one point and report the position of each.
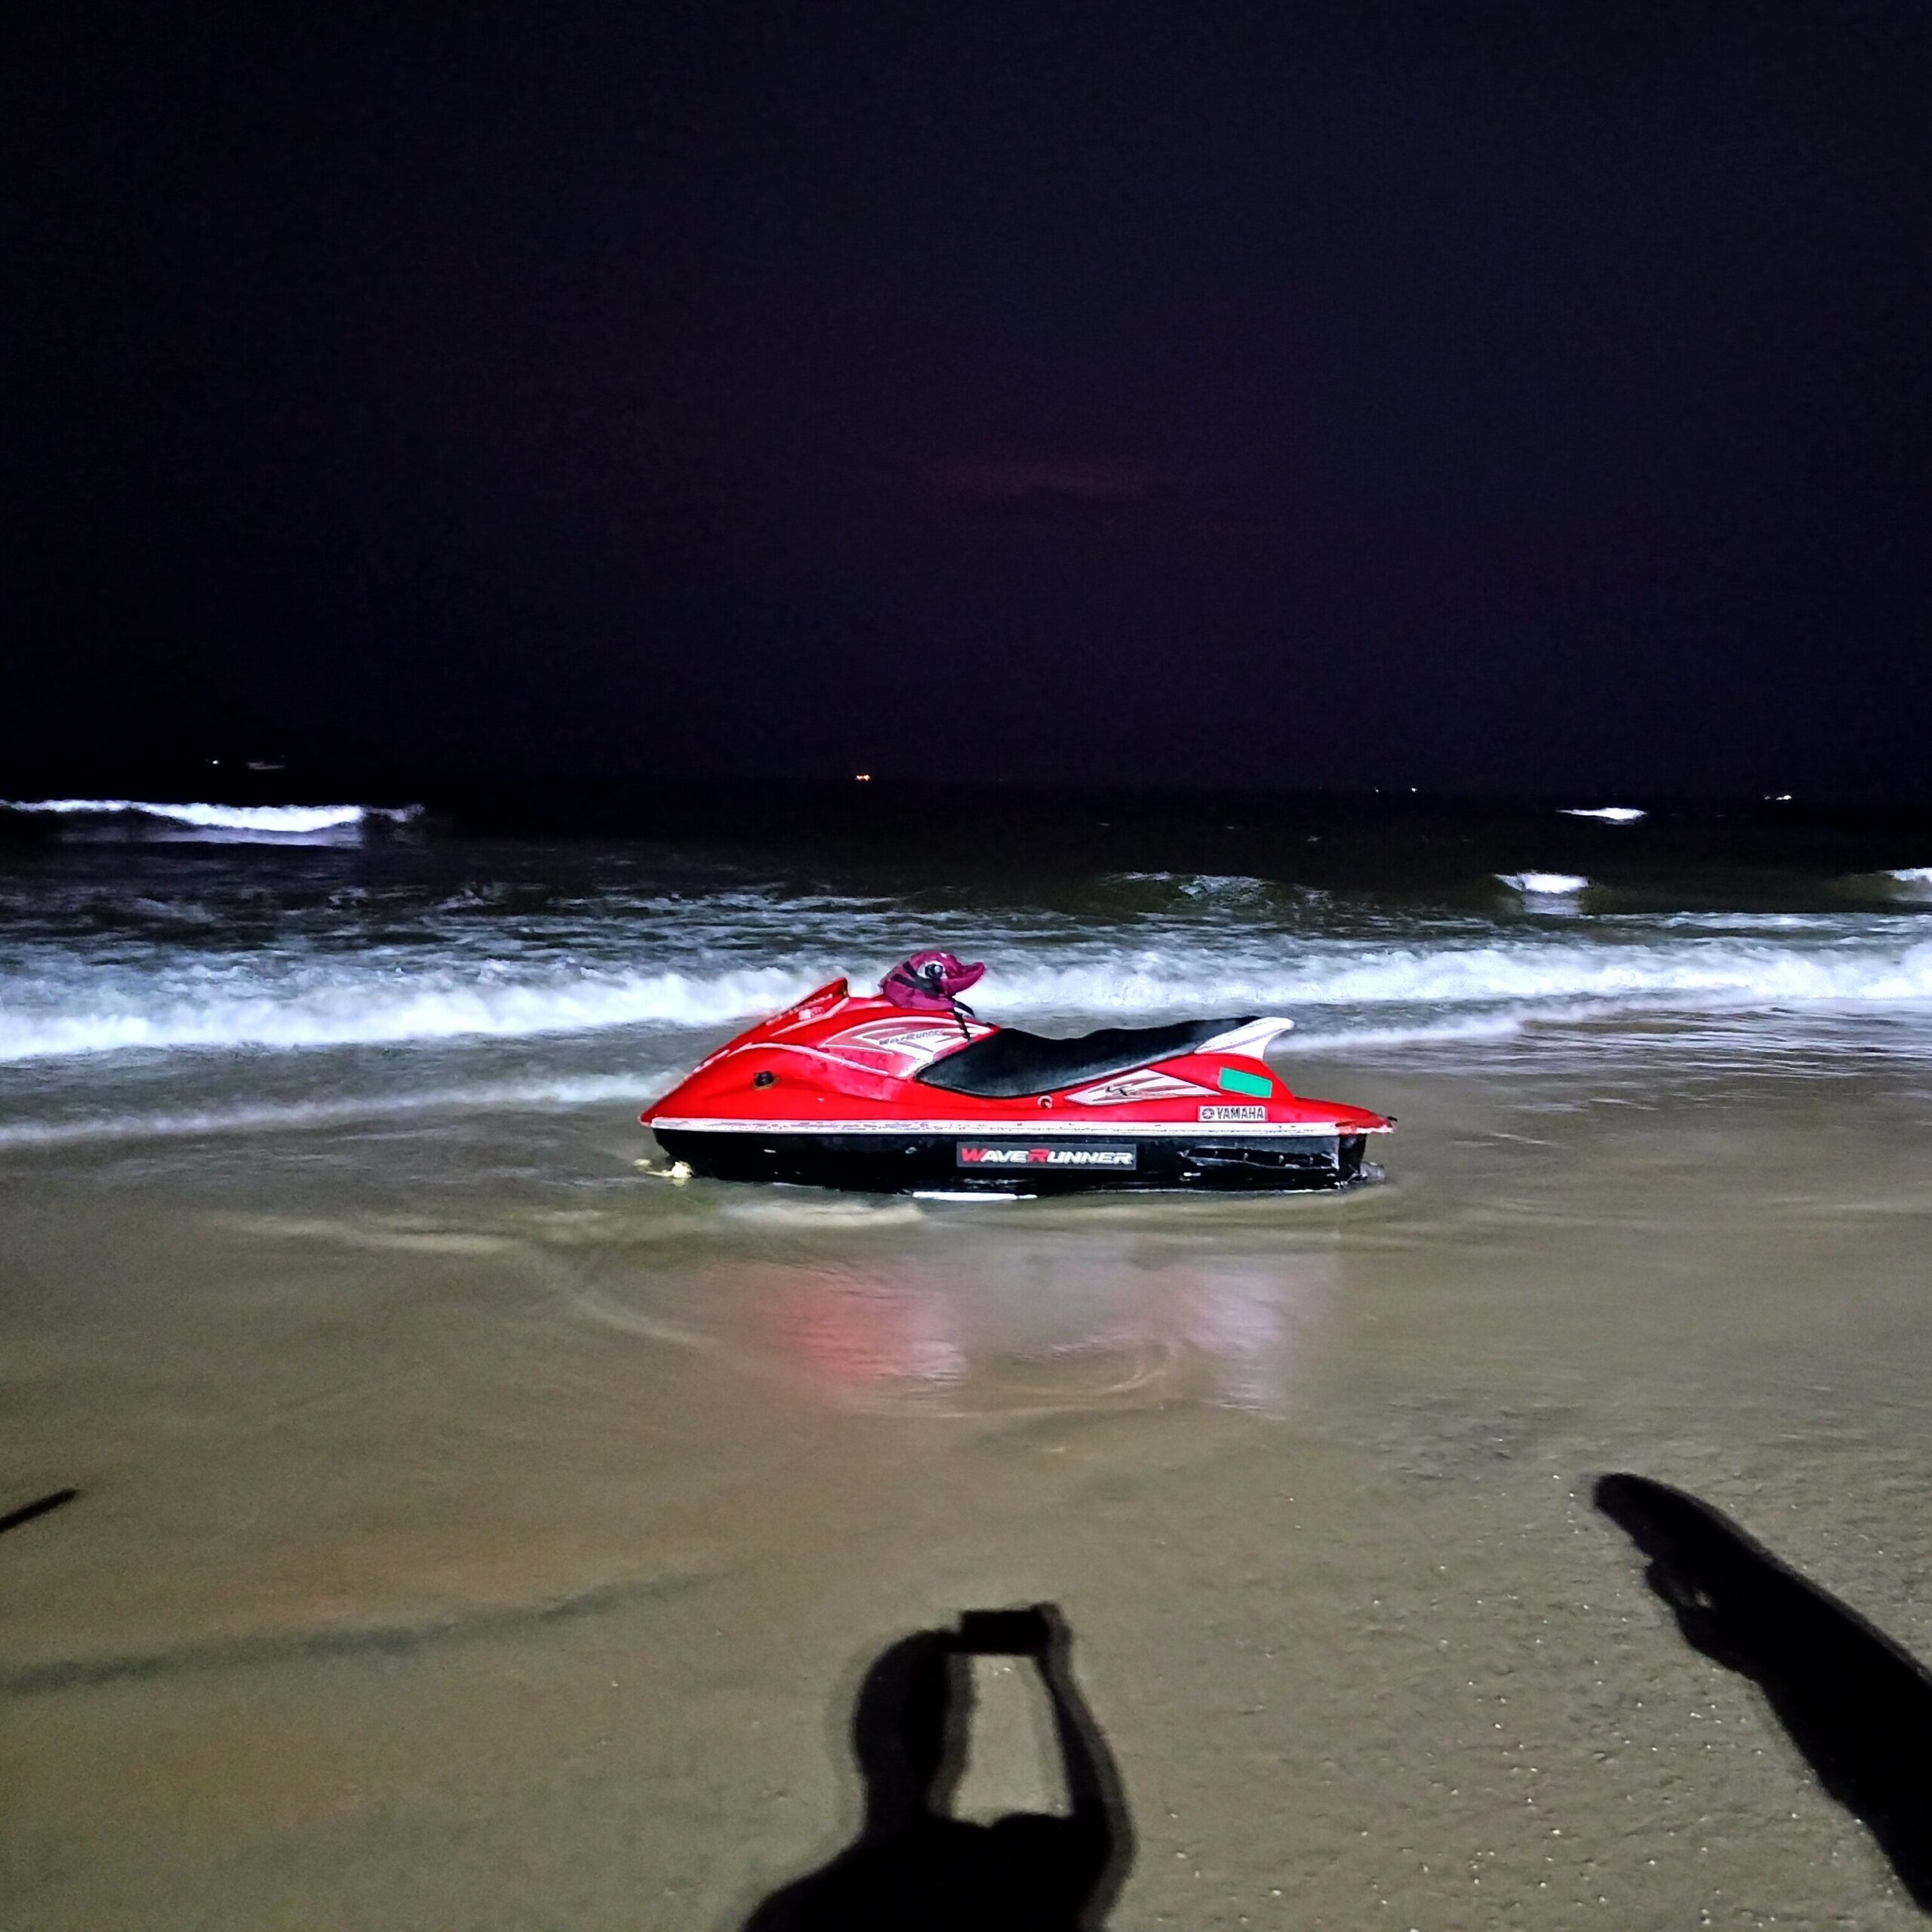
(477, 1530)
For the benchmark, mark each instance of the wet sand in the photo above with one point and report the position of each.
(476, 1533)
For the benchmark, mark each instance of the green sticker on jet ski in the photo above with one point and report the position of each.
(1236, 1082)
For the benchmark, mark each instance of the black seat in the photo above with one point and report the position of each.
(1009, 1065)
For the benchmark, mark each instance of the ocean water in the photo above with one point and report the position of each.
(196, 977)
(475, 1527)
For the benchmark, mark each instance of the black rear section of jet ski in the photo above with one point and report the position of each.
(1008, 1163)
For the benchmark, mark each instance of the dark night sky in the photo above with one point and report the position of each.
(1457, 393)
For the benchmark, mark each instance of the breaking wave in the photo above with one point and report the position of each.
(350, 1005)
(280, 823)
(264, 1002)
(1463, 975)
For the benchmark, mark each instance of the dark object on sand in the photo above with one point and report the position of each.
(1858, 1707)
(27, 1511)
(914, 1865)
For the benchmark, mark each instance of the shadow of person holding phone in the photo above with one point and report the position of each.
(913, 1863)
(1856, 1704)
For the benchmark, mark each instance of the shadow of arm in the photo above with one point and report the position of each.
(1094, 1792)
(1856, 1704)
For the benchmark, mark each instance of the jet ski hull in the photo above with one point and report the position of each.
(877, 1161)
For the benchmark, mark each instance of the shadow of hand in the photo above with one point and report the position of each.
(913, 1864)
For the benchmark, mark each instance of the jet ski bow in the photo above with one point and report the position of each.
(908, 1091)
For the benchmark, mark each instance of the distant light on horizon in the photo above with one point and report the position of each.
(862, 778)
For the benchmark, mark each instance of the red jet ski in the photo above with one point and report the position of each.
(907, 1091)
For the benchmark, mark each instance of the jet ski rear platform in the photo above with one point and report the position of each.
(882, 1095)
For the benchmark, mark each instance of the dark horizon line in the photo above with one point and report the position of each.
(385, 783)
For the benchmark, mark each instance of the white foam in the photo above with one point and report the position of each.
(1747, 973)
(54, 1001)
(1609, 814)
(1361, 1039)
(1545, 885)
(369, 1001)
(271, 820)
(837, 1212)
(1911, 875)
(1235, 888)
(297, 1115)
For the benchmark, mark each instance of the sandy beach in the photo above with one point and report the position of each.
(461, 1545)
